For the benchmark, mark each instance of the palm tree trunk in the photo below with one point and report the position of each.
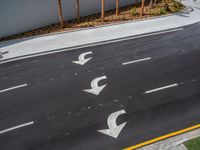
(78, 10)
(142, 8)
(60, 14)
(102, 10)
(117, 7)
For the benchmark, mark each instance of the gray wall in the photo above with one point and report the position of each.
(23, 15)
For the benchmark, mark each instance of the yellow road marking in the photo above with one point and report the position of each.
(163, 137)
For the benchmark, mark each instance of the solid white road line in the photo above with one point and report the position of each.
(161, 88)
(17, 127)
(12, 88)
(135, 61)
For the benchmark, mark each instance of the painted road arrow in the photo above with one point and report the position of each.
(81, 58)
(95, 89)
(114, 130)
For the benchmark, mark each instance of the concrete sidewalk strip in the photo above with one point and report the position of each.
(174, 143)
(42, 44)
(1, 55)
(180, 147)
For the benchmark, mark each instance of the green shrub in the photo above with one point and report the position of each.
(163, 11)
(133, 11)
(177, 5)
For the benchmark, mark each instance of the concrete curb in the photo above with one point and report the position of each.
(97, 27)
(65, 41)
(87, 45)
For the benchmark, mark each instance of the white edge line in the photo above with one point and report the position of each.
(135, 61)
(17, 127)
(91, 45)
(161, 88)
(12, 88)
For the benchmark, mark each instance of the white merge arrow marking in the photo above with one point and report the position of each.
(95, 89)
(114, 130)
(82, 59)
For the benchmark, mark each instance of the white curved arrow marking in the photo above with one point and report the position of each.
(114, 130)
(81, 58)
(95, 89)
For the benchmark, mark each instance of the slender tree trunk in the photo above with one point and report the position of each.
(78, 10)
(117, 7)
(142, 8)
(155, 2)
(60, 14)
(136, 3)
(102, 10)
(151, 4)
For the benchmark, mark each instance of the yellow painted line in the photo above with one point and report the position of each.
(163, 137)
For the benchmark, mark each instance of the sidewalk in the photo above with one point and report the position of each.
(174, 143)
(29, 46)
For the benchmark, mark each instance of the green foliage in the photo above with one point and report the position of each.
(193, 144)
(83, 25)
(167, 7)
(163, 11)
(133, 11)
(177, 5)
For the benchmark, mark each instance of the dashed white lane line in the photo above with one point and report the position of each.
(161, 88)
(17, 127)
(12, 88)
(135, 61)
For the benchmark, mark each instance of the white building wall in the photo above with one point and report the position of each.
(18, 16)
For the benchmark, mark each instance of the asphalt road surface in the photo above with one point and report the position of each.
(141, 89)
